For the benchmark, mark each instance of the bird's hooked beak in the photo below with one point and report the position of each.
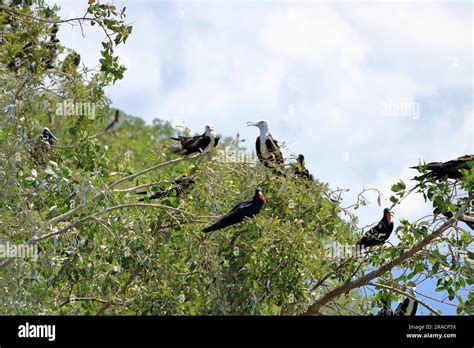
(262, 197)
(249, 123)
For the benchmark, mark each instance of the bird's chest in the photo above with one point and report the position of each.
(263, 146)
(211, 143)
(409, 309)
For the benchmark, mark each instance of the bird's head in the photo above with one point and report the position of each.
(208, 130)
(300, 160)
(259, 195)
(48, 135)
(388, 214)
(262, 125)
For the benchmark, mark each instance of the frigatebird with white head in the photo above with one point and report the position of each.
(268, 151)
(199, 143)
(380, 233)
(42, 147)
(408, 307)
(48, 136)
(246, 209)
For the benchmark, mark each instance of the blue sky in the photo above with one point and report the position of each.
(319, 71)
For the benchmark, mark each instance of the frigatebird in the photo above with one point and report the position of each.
(199, 143)
(41, 146)
(178, 188)
(268, 151)
(380, 233)
(245, 209)
(114, 121)
(71, 62)
(408, 307)
(441, 170)
(300, 169)
(46, 135)
(405, 308)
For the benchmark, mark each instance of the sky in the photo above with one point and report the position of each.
(363, 89)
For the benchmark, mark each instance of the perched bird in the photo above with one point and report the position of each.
(245, 209)
(71, 63)
(379, 233)
(408, 307)
(51, 48)
(268, 151)
(442, 170)
(114, 121)
(199, 143)
(300, 169)
(41, 147)
(449, 215)
(179, 186)
(46, 135)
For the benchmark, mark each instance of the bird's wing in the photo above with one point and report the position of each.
(415, 307)
(198, 142)
(257, 145)
(216, 141)
(242, 205)
(402, 307)
(272, 146)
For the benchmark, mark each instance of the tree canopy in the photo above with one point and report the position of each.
(101, 250)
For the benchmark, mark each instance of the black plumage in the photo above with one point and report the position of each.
(406, 308)
(445, 170)
(114, 121)
(179, 186)
(41, 147)
(268, 150)
(199, 143)
(245, 209)
(379, 233)
(300, 169)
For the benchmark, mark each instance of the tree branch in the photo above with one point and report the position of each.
(350, 285)
(434, 311)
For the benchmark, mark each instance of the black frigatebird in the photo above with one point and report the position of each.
(407, 307)
(114, 121)
(71, 62)
(41, 146)
(268, 151)
(380, 233)
(441, 170)
(178, 188)
(47, 135)
(199, 143)
(300, 169)
(245, 209)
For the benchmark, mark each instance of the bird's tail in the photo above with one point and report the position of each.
(210, 229)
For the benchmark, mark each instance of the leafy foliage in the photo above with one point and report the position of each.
(98, 246)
